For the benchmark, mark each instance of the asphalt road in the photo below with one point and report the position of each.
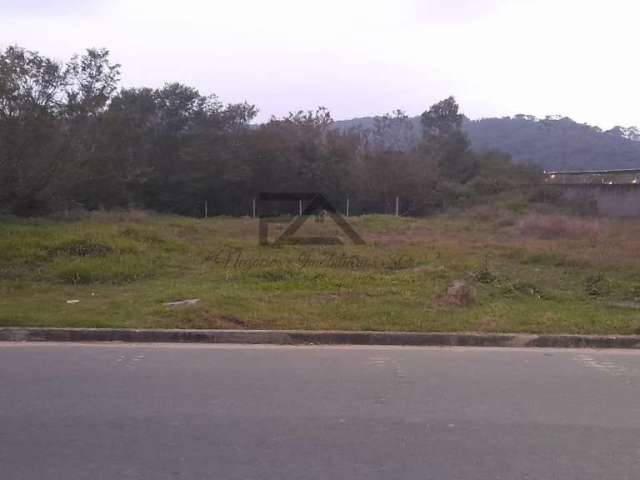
(239, 412)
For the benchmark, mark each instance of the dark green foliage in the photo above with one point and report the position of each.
(69, 139)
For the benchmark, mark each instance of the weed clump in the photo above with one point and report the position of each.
(523, 288)
(597, 285)
(81, 248)
(485, 275)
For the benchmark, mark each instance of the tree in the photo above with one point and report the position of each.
(32, 145)
(445, 140)
(391, 132)
(303, 152)
(442, 119)
(218, 154)
(120, 162)
(91, 82)
(47, 132)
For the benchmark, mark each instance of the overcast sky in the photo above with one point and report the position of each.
(578, 58)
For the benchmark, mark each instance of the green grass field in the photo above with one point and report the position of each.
(538, 274)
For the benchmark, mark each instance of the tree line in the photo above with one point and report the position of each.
(71, 138)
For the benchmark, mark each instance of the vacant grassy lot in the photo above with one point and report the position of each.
(528, 274)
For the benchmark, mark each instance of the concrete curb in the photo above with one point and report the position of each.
(308, 337)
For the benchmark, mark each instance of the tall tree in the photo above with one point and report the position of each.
(445, 140)
(32, 146)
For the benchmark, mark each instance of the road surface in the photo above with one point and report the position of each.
(156, 412)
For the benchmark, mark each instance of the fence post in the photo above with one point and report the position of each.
(347, 206)
(300, 207)
(254, 208)
(397, 206)
(206, 209)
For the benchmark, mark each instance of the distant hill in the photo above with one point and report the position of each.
(553, 143)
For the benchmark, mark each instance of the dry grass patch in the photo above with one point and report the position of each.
(551, 227)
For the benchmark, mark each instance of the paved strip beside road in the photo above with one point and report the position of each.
(133, 411)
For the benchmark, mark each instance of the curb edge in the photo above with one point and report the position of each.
(322, 337)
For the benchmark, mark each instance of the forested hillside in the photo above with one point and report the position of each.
(555, 143)
(552, 143)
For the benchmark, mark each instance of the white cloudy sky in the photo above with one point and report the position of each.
(361, 57)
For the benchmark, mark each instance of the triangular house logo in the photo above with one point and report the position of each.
(314, 204)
